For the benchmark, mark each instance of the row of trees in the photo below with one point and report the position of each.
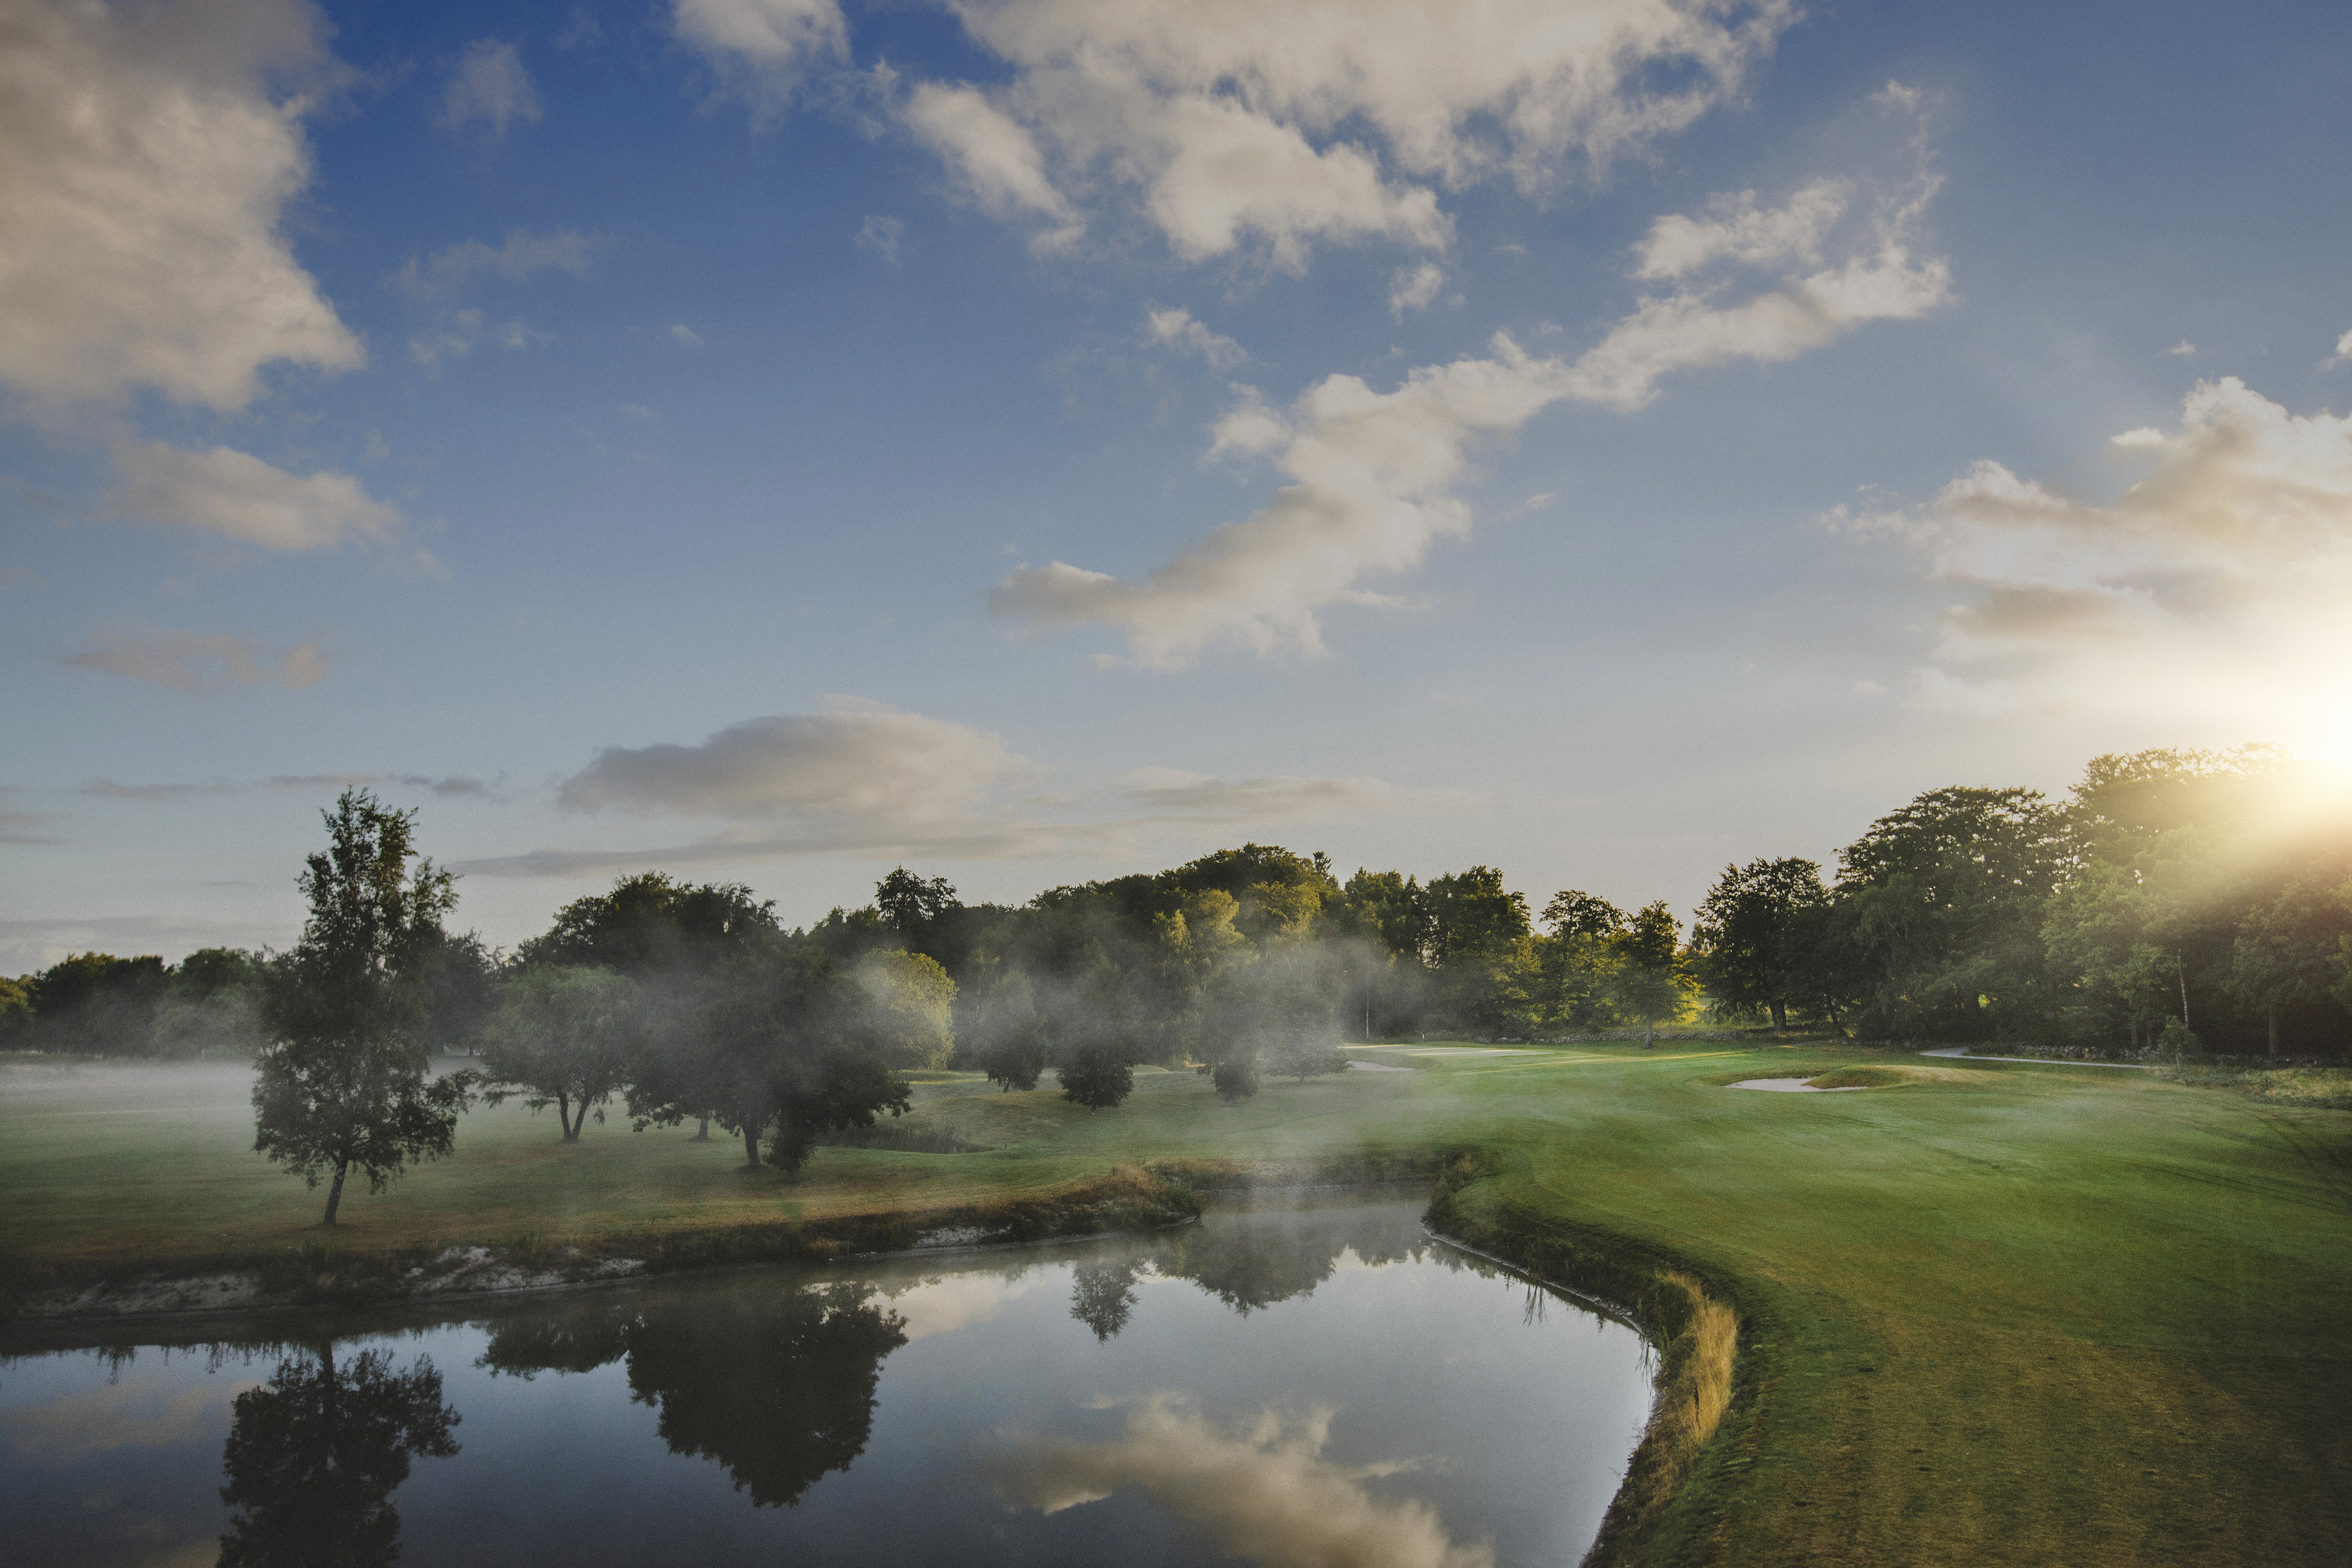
(2176, 900)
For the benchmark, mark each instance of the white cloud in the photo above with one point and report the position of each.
(1736, 229)
(197, 662)
(230, 492)
(146, 156)
(1411, 288)
(860, 763)
(2343, 352)
(763, 47)
(2184, 349)
(684, 336)
(490, 84)
(1373, 474)
(449, 270)
(880, 234)
(1232, 124)
(2214, 587)
(1177, 330)
(995, 158)
(1260, 1488)
(1371, 478)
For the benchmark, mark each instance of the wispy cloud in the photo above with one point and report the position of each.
(238, 495)
(522, 257)
(195, 663)
(1176, 330)
(490, 86)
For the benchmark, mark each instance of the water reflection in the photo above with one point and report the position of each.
(1102, 1297)
(1261, 1487)
(315, 1454)
(776, 1387)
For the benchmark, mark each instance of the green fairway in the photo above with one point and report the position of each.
(1990, 1313)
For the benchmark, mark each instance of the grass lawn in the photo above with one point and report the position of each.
(1991, 1313)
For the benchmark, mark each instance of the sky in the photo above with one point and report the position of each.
(1035, 440)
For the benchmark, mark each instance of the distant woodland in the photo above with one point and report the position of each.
(2177, 903)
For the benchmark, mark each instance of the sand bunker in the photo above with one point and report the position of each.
(1793, 1086)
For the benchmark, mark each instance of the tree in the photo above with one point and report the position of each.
(1096, 1076)
(1749, 933)
(97, 1005)
(909, 1001)
(649, 925)
(315, 1454)
(563, 1036)
(1574, 962)
(1009, 1033)
(1479, 939)
(1647, 981)
(344, 1084)
(910, 902)
(1102, 1297)
(2291, 951)
(1944, 901)
(778, 1043)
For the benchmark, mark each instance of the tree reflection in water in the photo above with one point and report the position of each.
(779, 1389)
(314, 1456)
(1248, 1267)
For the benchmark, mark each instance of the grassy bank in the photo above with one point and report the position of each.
(2025, 1314)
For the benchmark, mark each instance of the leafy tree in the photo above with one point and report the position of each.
(779, 1044)
(1235, 1077)
(564, 1037)
(212, 1006)
(458, 989)
(1574, 962)
(1010, 1032)
(1479, 941)
(1750, 935)
(1648, 982)
(1944, 901)
(909, 1000)
(15, 1013)
(344, 1084)
(2291, 951)
(94, 1004)
(910, 902)
(315, 1454)
(649, 925)
(1096, 1076)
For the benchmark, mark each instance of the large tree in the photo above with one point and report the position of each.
(566, 1036)
(1750, 936)
(345, 1084)
(781, 1044)
(1648, 981)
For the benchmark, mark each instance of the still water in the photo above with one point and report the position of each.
(1275, 1384)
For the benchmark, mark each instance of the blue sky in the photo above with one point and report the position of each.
(771, 440)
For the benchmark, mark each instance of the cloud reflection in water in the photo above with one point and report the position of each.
(1260, 1488)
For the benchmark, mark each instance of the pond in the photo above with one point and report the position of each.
(1282, 1382)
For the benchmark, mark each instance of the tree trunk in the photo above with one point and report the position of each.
(1649, 1030)
(335, 1191)
(2273, 1032)
(1780, 1014)
(702, 1135)
(563, 1114)
(751, 1143)
(2180, 968)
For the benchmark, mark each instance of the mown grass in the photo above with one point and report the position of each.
(2021, 1314)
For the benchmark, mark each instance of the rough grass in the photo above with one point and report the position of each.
(1856, 1077)
(2014, 1314)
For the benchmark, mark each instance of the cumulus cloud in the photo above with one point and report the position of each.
(197, 662)
(1229, 125)
(2216, 584)
(763, 47)
(860, 767)
(2343, 352)
(1260, 1488)
(524, 253)
(1371, 478)
(1177, 330)
(861, 777)
(147, 155)
(1735, 228)
(236, 494)
(491, 85)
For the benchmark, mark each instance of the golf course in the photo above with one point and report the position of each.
(2007, 1312)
